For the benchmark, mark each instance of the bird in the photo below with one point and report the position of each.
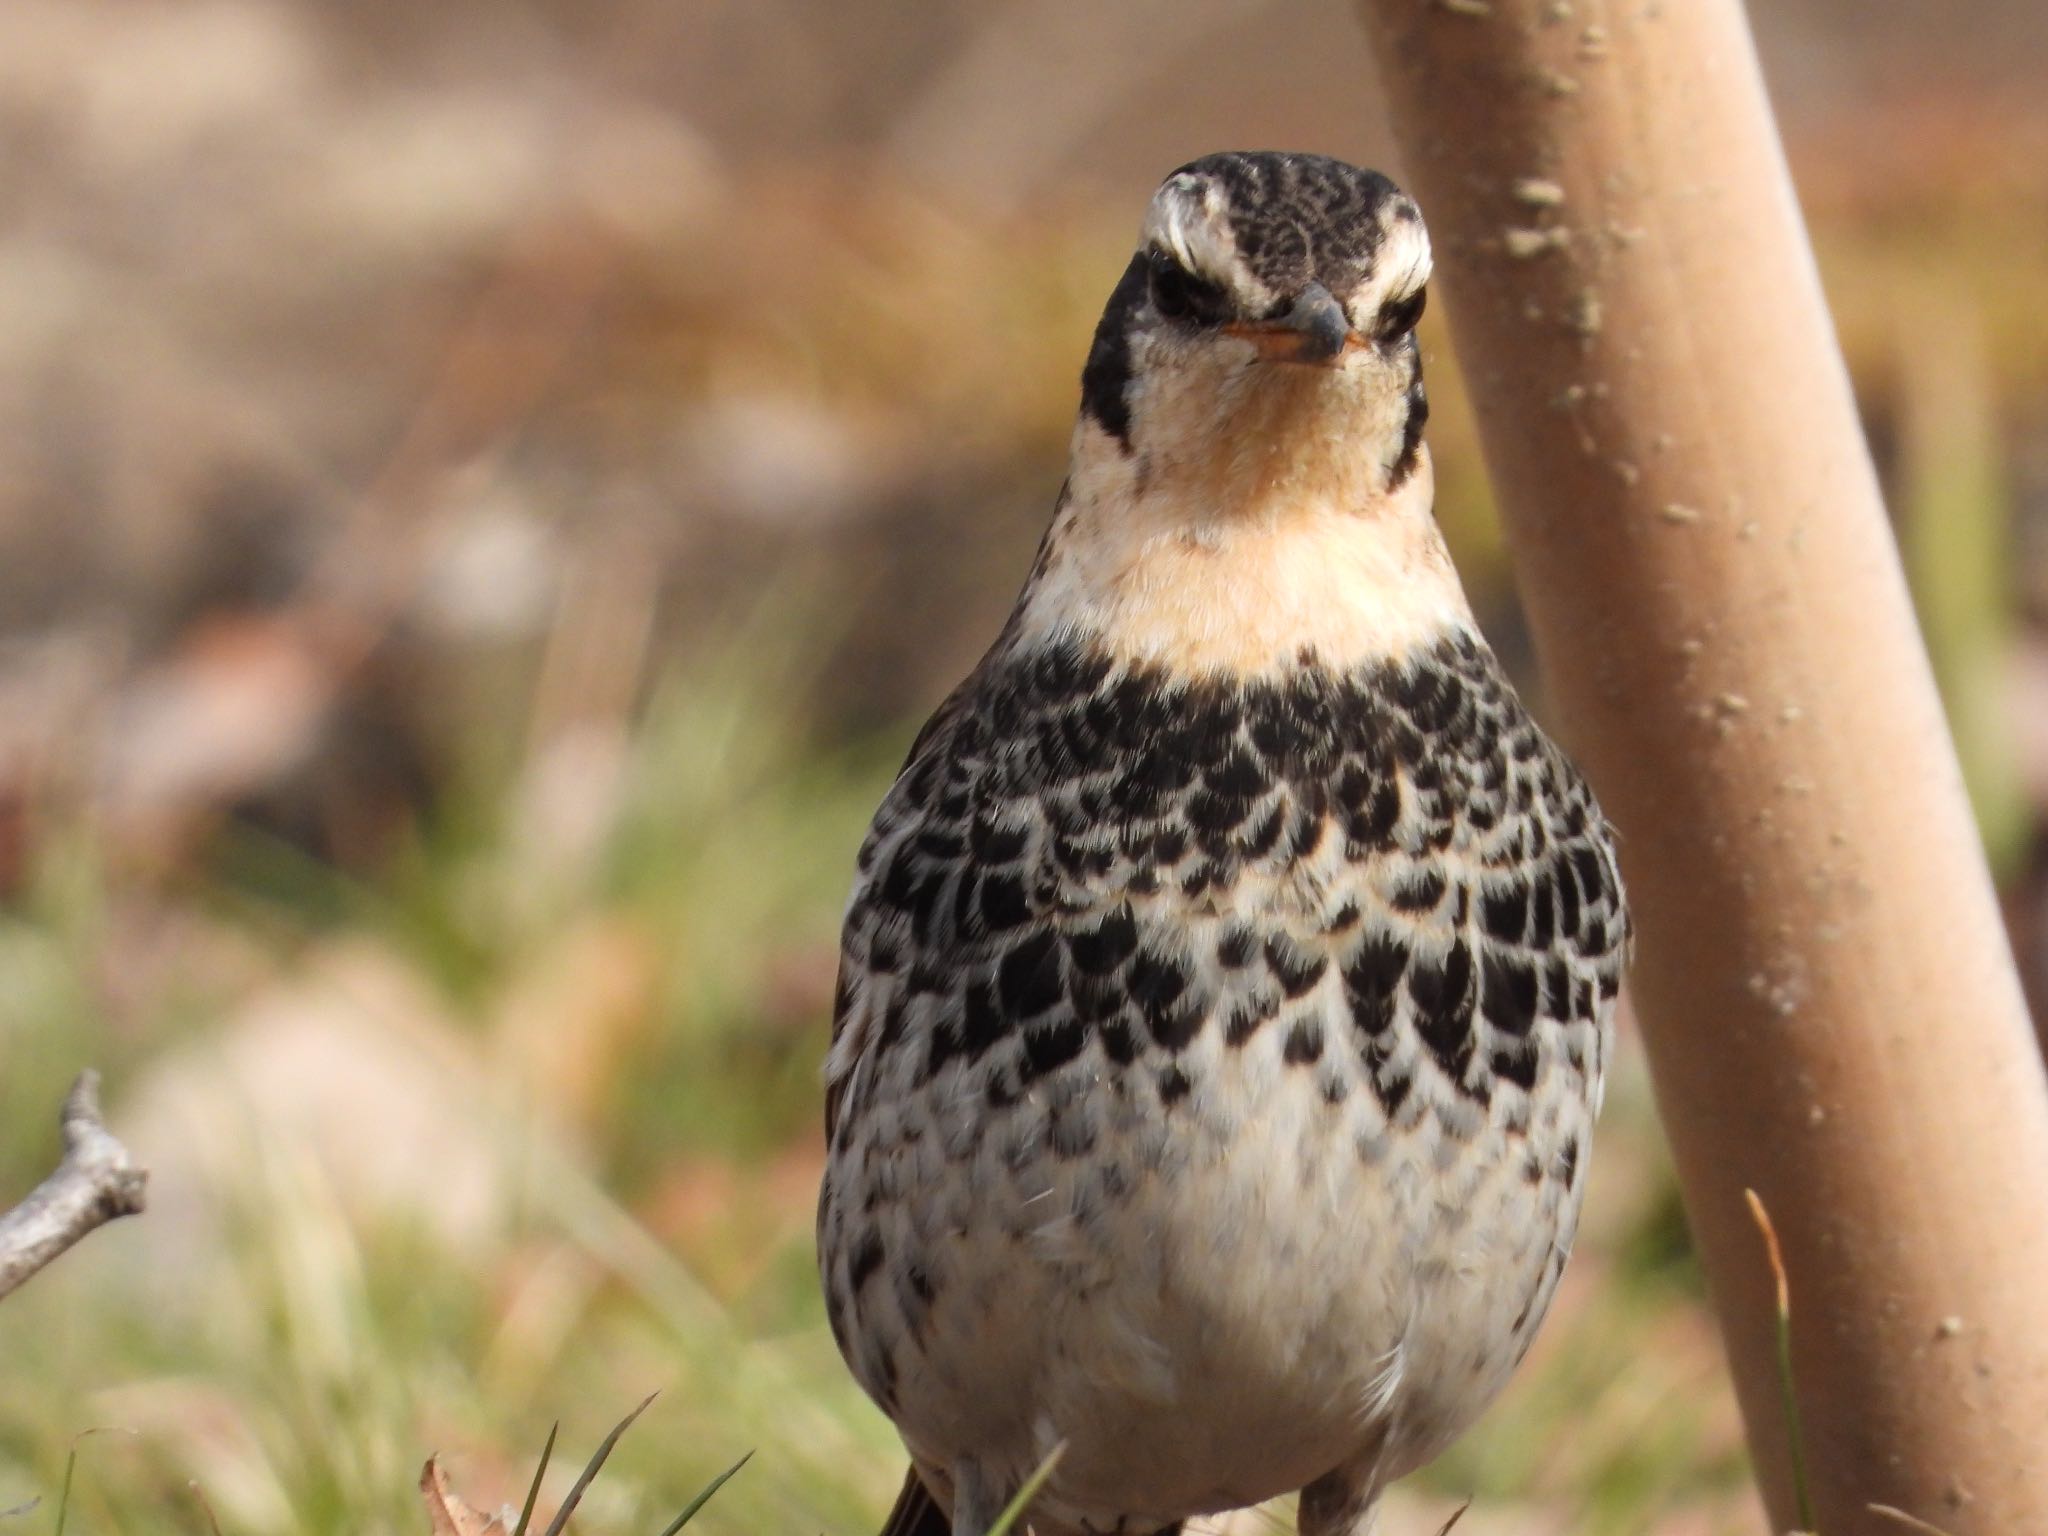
(1230, 971)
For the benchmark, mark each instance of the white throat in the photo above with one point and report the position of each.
(1237, 562)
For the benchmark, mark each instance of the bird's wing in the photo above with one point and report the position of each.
(856, 998)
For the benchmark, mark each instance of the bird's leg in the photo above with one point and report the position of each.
(1345, 1502)
(977, 1500)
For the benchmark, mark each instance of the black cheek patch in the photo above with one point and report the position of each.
(1417, 403)
(1106, 377)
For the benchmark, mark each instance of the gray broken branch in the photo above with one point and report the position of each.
(96, 1182)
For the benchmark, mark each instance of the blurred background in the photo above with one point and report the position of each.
(488, 490)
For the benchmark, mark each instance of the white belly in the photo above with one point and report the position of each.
(1247, 1301)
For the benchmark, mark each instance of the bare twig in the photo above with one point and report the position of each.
(96, 1182)
(1749, 692)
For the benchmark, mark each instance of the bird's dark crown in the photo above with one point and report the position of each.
(1300, 219)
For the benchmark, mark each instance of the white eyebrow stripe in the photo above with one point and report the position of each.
(1188, 221)
(1166, 225)
(1181, 220)
(1407, 259)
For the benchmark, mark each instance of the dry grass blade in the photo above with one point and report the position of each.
(205, 1507)
(1456, 1515)
(1771, 1249)
(21, 1509)
(1910, 1522)
(718, 1482)
(1801, 1494)
(1014, 1510)
(590, 1471)
(71, 1468)
(533, 1488)
(64, 1495)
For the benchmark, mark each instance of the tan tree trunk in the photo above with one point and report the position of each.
(1830, 1006)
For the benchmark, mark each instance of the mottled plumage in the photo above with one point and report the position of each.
(1228, 974)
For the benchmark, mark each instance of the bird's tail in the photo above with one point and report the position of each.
(916, 1513)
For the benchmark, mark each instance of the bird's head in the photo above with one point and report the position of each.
(1261, 343)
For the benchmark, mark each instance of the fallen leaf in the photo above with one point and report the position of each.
(452, 1516)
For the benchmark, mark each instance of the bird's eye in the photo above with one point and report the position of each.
(1179, 294)
(1398, 317)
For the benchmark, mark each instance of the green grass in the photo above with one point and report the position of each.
(596, 1064)
(302, 1344)
(293, 1340)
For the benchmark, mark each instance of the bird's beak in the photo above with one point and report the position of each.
(1315, 330)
